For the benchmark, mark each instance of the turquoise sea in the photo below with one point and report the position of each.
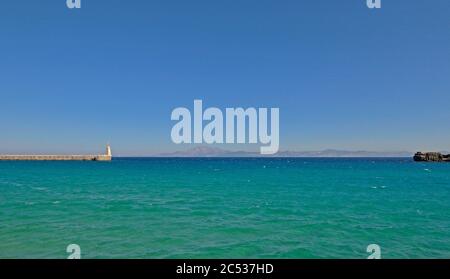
(225, 208)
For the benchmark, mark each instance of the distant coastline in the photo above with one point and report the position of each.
(204, 151)
(213, 152)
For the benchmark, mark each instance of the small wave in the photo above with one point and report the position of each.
(39, 188)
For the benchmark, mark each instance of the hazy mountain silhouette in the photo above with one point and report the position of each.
(207, 151)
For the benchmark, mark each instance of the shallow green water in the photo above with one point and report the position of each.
(225, 208)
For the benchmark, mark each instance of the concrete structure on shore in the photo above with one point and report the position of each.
(102, 157)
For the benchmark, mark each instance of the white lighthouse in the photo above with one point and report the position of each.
(108, 150)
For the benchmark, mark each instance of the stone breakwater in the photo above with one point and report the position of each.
(102, 157)
(431, 157)
(55, 158)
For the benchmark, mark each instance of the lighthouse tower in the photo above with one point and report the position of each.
(108, 150)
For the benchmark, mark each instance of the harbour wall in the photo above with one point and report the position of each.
(55, 158)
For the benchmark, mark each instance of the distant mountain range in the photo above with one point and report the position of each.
(206, 151)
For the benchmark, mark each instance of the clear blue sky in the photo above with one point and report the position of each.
(343, 76)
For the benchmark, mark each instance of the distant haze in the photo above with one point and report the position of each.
(205, 151)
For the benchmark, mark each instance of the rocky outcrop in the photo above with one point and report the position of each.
(431, 157)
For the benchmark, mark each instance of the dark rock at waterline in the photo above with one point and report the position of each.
(431, 157)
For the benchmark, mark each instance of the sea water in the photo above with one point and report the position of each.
(225, 208)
